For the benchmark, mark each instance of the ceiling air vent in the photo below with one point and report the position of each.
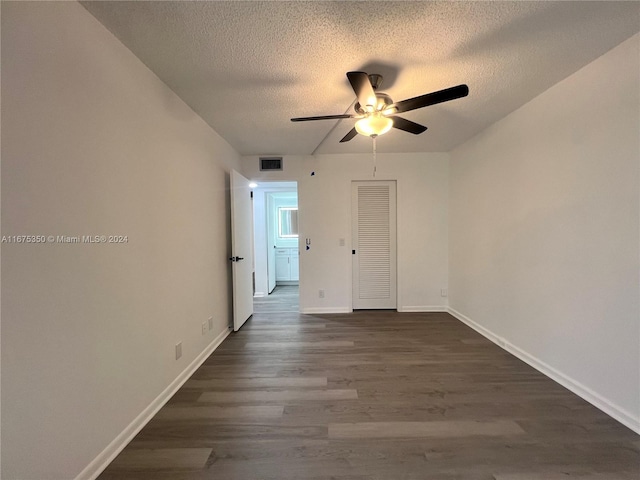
(270, 163)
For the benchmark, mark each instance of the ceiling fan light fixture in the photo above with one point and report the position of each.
(373, 125)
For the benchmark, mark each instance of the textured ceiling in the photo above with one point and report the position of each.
(247, 67)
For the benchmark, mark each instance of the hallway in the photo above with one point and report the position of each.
(283, 299)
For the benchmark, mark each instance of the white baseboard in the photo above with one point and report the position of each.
(478, 328)
(320, 310)
(620, 414)
(423, 308)
(407, 309)
(101, 462)
(259, 295)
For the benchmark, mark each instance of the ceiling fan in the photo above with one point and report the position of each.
(377, 112)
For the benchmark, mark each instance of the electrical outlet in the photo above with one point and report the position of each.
(178, 350)
(210, 323)
(204, 327)
(444, 292)
(320, 293)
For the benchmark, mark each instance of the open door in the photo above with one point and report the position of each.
(241, 249)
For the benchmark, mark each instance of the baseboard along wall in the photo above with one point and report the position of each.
(98, 464)
(621, 415)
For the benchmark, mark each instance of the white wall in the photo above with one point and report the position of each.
(94, 143)
(324, 206)
(544, 232)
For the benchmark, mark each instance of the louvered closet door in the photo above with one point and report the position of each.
(374, 245)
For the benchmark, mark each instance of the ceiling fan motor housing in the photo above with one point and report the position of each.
(384, 101)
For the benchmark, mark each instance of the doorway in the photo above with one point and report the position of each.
(276, 241)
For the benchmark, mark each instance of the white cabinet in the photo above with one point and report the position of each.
(295, 264)
(283, 271)
(287, 265)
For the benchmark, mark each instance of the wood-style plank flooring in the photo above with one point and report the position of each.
(373, 395)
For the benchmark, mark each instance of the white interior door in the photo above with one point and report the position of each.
(374, 245)
(241, 249)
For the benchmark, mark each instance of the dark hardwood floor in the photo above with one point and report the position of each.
(372, 395)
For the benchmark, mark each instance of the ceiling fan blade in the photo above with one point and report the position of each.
(325, 117)
(352, 133)
(364, 91)
(407, 125)
(431, 98)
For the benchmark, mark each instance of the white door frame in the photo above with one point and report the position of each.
(271, 242)
(265, 240)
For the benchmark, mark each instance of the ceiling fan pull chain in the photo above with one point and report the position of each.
(374, 155)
